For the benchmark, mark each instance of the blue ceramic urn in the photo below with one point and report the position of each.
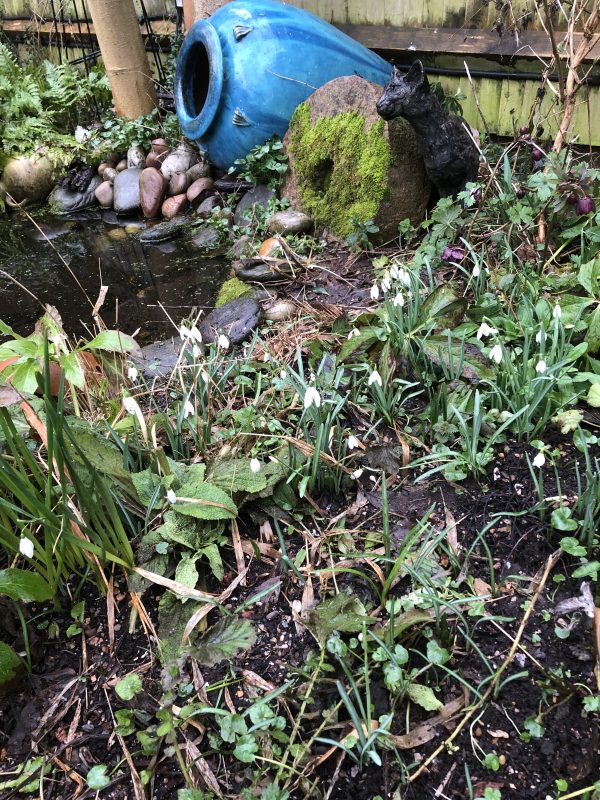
(242, 72)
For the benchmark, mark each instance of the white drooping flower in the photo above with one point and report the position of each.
(356, 474)
(353, 442)
(196, 352)
(132, 374)
(266, 357)
(557, 312)
(171, 496)
(404, 276)
(26, 547)
(254, 465)
(540, 366)
(399, 300)
(205, 376)
(374, 292)
(375, 377)
(486, 330)
(184, 333)
(188, 409)
(476, 271)
(131, 406)
(195, 335)
(386, 283)
(353, 333)
(496, 353)
(539, 460)
(312, 397)
(223, 342)
(282, 375)
(538, 336)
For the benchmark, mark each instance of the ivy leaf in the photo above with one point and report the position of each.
(224, 641)
(343, 613)
(129, 686)
(423, 696)
(19, 584)
(561, 519)
(436, 654)
(572, 546)
(97, 777)
(245, 749)
(9, 663)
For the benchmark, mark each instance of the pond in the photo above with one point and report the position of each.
(65, 260)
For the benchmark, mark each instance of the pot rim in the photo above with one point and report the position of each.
(194, 125)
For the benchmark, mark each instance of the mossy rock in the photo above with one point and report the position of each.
(231, 290)
(348, 165)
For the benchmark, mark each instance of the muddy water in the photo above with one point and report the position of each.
(67, 261)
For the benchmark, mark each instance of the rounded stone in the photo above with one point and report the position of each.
(289, 222)
(173, 206)
(122, 165)
(152, 191)
(280, 311)
(271, 248)
(180, 160)
(28, 178)
(202, 169)
(136, 158)
(127, 191)
(105, 194)
(198, 190)
(207, 206)
(348, 166)
(109, 174)
(101, 168)
(159, 146)
(178, 184)
(155, 160)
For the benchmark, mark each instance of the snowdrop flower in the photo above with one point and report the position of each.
(356, 474)
(394, 272)
(171, 496)
(132, 374)
(374, 292)
(375, 377)
(404, 277)
(539, 460)
(188, 409)
(196, 352)
(386, 283)
(496, 353)
(486, 330)
(205, 376)
(131, 406)
(354, 332)
(353, 443)
(399, 299)
(557, 312)
(26, 547)
(266, 357)
(184, 333)
(312, 397)
(540, 366)
(282, 375)
(476, 271)
(195, 335)
(223, 342)
(538, 336)
(254, 465)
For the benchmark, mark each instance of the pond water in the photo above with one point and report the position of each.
(64, 261)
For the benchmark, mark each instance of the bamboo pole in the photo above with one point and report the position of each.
(124, 56)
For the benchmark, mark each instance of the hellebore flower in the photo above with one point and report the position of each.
(254, 465)
(486, 330)
(453, 254)
(26, 547)
(496, 353)
(540, 366)
(539, 460)
(585, 205)
(312, 397)
(375, 377)
(374, 292)
(223, 342)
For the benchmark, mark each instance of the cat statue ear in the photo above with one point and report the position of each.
(396, 74)
(416, 75)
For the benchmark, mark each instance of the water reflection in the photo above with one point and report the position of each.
(97, 249)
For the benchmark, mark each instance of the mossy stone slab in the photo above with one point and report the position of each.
(347, 165)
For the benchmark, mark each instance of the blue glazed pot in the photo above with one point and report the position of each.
(241, 73)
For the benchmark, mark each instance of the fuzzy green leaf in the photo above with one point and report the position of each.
(210, 502)
(186, 572)
(113, 342)
(593, 396)
(343, 613)
(20, 584)
(129, 686)
(224, 641)
(423, 696)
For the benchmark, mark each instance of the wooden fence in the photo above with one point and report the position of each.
(504, 54)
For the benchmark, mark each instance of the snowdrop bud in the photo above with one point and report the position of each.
(404, 277)
(205, 376)
(132, 374)
(375, 377)
(386, 283)
(476, 271)
(356, 474)
(352, 443)
(557, 312)
(254, 465)
(188, 409)
(496, 353)
(374, 292)
(538, 336)
(196, 335)
(26, 547)
(196, 352)
(283, 375)
(540, 366)
(223, 342)
(312, 397)
(354, 332)
(266, 357)
(171, 496)
(539, 460)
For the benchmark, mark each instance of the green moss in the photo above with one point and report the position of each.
(231, 290)
(341, 169)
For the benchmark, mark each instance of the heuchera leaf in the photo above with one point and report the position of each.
(224, 641)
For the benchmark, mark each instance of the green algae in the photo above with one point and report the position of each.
(231, 290)
(341, 169)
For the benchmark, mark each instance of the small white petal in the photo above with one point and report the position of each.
(132, 374)
(496, 353)
(540, 366)
(223, 342)
(283, 375)
(394, 272)
(557, 312)
(254, 465)
(539, 460)
(171, 496)
(485, 330)
(353, 442)
(374, 292)
(404, 277)
(188, 409)
(130, 405)
(399, 299)
(354, 332)
(196, 335)
(26, 547)
(312, 397)
(375, 377)
(266, 357)
(196, 352)
(356, 474)
(184, 333)
(386, 283)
